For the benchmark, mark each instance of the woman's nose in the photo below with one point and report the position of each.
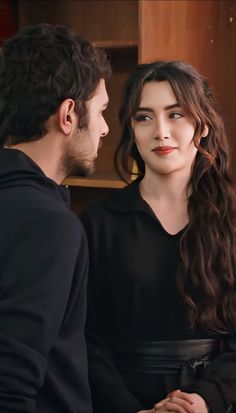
(162, 130)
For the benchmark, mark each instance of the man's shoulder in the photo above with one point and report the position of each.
(40, 215)
(56, 218)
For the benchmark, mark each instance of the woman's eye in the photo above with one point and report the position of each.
(142, 118)
(176, 115)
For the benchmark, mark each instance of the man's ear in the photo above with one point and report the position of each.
(66, 116)
(205, 131)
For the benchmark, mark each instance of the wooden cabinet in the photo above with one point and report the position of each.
(202, 32)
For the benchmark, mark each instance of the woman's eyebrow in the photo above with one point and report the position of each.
(143, 109)
(175, 105)
(146, 109)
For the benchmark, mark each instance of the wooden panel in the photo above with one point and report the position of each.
(95, 19)
(8, 19)
(202, 33)
(177, 30)
(123, 61)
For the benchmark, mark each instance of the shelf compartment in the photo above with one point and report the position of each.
(98, 180)
(115, 44)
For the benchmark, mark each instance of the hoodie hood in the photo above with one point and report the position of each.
(17, 169)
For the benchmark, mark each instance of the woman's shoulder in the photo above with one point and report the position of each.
(120, 200)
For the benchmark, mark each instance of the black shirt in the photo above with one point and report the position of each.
(43, 256)
(133, 296)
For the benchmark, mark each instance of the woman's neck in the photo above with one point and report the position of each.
(171, 187)
(167, 195)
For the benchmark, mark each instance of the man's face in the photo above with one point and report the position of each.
(82, 150)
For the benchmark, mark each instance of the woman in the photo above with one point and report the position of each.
(162, 285)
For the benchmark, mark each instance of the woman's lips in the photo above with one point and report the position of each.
(163, 150)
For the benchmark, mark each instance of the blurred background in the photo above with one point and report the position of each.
(201, 32)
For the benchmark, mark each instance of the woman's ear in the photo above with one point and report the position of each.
(205, 131)
(66, 116)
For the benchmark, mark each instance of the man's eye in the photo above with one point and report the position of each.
(176, 115)
(142, 118)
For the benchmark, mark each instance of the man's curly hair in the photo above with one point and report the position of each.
(39, 68)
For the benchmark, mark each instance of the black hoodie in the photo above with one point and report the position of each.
(43, 258)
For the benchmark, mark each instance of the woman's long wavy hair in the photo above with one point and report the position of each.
(207, 275)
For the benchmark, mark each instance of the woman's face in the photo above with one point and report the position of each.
(163, 132)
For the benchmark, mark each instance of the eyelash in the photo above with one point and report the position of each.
(179, 115)
(143, 118)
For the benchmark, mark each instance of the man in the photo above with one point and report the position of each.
(52, 97)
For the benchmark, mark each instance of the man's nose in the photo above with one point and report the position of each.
(105, 129)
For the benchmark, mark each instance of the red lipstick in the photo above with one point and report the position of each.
(163, 150)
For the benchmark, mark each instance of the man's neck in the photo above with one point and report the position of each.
(46, 155)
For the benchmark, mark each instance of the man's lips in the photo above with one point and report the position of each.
(163, 150)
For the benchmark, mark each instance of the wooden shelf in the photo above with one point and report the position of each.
(98, 180)
(116, 44)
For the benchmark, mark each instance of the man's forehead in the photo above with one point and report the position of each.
(101, 92)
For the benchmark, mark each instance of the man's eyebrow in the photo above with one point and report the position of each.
(146, 109)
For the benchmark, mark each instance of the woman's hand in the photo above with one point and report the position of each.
(176, 401)
(182, 402)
